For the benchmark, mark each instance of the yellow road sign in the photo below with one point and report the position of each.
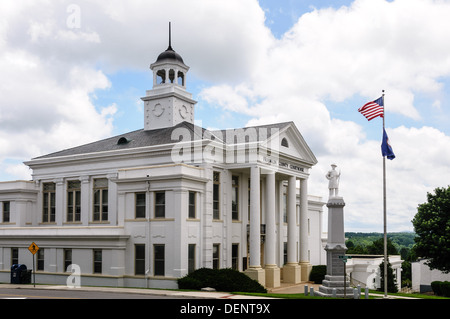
(33, 248)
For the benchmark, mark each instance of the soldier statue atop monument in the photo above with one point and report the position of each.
(336, 281)
(333, 185)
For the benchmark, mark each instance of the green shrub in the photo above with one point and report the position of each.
(189, 283)
(441, 288)
(445, 289)
(220, 279)
(318, 273)
(436, 287)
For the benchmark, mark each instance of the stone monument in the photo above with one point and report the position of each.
(335, 248)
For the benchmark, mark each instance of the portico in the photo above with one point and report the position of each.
(274, 199)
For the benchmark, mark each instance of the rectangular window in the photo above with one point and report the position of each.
(160, 204)
(235, 198)
(216, 195)
(67, 258)
(40, 259)
(159, 260)
(97, 261)
(192, 204)
(285, 254)
(191, 258)
(73, 201)
(140, 205)
(235, 256)
(14, 256)
(48, 203)
(216, 256)
(139, 259)
(6, 212)
(100, 199)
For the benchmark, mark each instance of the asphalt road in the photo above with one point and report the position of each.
(23, 293)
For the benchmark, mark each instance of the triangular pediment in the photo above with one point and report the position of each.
(288, 141)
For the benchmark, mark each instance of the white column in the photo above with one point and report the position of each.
(86, 206)
(291, 271)
(304, 244)
(270, 244)
(112, 199)
(167, 80)
(255, 219)
(272, 270)
(175, 80)
(291, 219)
(255, 271)
(59, 202)
(304, 221)
(243, 248)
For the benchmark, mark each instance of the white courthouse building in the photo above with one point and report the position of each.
(147, 207)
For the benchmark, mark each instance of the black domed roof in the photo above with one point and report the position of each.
(170, 54)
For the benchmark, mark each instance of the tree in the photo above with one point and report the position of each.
(391, 281)
(377, 247)
(432, 227)
(357, 250)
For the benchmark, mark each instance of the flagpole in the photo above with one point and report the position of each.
(384, 207)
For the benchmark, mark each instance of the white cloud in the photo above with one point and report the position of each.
(214, 37)
(46, 103)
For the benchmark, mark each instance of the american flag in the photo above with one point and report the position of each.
(372, 109)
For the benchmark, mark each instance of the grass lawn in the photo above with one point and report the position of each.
(380, 293)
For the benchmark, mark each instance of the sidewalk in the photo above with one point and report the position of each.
(294, 288)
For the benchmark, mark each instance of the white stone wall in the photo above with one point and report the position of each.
(423, 276)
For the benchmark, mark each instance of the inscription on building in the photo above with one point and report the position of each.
(274, 161)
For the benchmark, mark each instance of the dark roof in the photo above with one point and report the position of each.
(143, 138)
(135, 139)
(169, 54)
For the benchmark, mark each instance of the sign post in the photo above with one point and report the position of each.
(33, 248)
(344, 260)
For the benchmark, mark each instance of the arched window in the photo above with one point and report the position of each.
(161, 76)
(172, 76)
(284, 142)
(180, 78)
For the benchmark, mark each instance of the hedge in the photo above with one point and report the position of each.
(441, 288)
(318, 273)
(220, 279)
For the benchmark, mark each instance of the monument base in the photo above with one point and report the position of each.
(334, 286)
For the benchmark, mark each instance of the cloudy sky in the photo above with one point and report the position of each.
(72, 72)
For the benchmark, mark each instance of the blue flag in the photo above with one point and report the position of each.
(386, 148)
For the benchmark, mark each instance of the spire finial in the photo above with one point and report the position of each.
(170, 36)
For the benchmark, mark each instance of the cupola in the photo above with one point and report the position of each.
(168, 103)
(169, 67)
